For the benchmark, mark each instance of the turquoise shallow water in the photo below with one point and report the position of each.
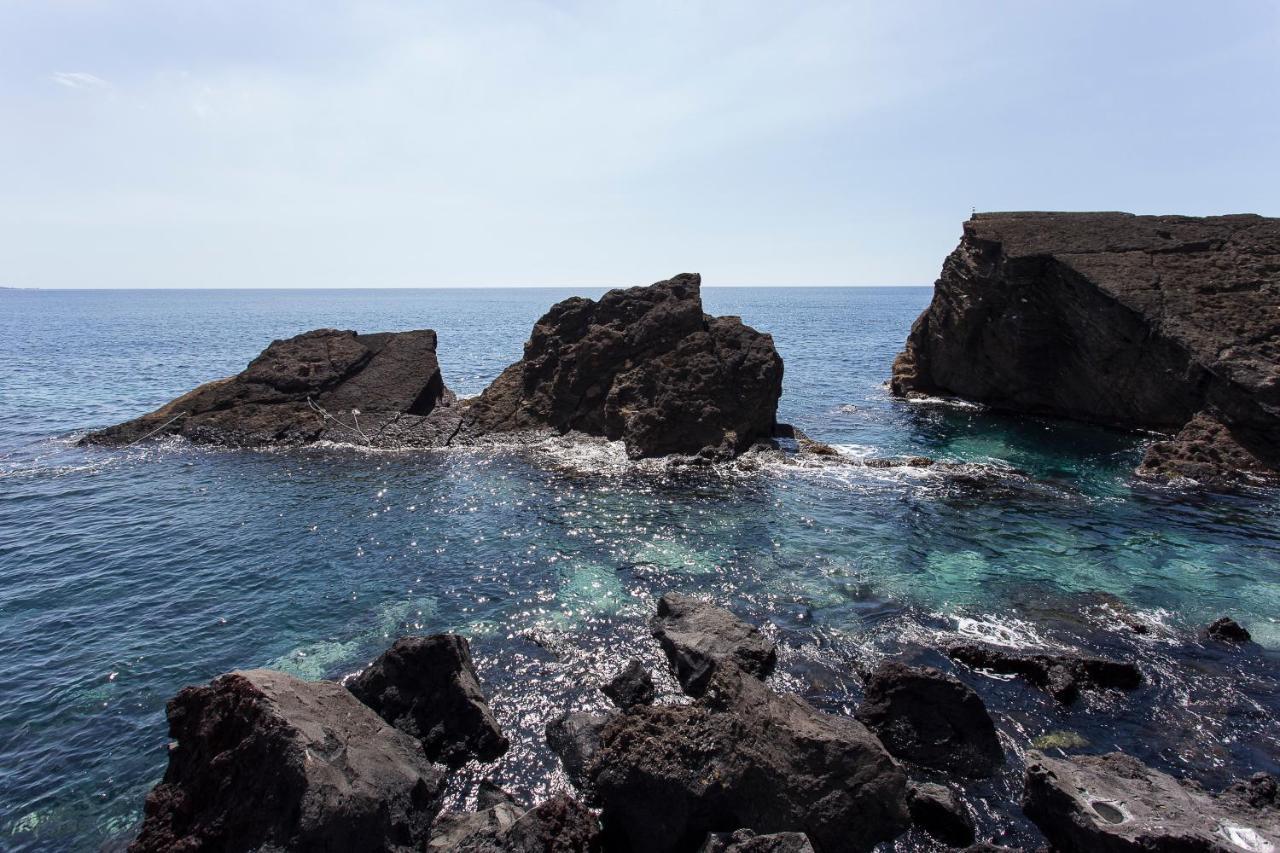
(127, 574)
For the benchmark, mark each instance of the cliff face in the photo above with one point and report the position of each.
(1159, 322)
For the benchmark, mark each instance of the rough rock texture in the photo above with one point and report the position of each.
(559, 825)
(643, 365)
(391, 378)
(925, 716)
(746, 841)
(1062, 676)
(1133, 321)
(1112, 803)
(1228, 630)
(428, 688)
(938, 811)
(630, 687)
(744, 757)
(575, 739)
(697, 637)
(263, 759)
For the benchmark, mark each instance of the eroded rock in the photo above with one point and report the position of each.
(746, 841)
(1062, 676)
(575, 739)
(630, 687)
(697, 637)
(925, 716)
(1227, 630)
(428, 688)
(265, 760)
(558, 825)
(938, 811)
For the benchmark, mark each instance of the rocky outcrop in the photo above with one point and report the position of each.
(575, 739)
(381, 389)
(938, 811)
(697, 637)
(745, 757)
(428, 688)
(1114, 803)
(1062, 676)
(264, 760)
(630, 687)
(643, 365)
(924, 716)
(746, 841)
(1227, 630)
(1158, 322)
(558, 825)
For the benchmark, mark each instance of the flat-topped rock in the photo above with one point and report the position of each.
(381, 389)
(1159, 322)
(642, 365)
(264, 760)
(1062, 676)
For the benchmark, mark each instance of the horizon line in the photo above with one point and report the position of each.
(458, 287)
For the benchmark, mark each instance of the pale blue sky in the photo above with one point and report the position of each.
(296, 144)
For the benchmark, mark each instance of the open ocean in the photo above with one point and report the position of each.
(126, 574)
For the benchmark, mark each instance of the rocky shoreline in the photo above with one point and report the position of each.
(263, 760)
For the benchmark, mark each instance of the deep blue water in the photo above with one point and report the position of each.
(126, 574)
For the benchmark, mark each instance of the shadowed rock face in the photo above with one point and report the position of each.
(266, 760)
(699, 637)
(644, 365)
(1135, 321)
(392, 379)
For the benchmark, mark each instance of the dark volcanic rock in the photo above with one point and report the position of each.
(1135, 321)
(744, 757)
(428, 688)
(643, 365)
(746, 841)
(1062, 676)
(575, 739)
(1115, 803)
(1228, 630)
(391, 378)
(263, 759)
(697, 637)
(632, 686)
(938, 811)
(1259, 791)
(925, 716)
(559, 825)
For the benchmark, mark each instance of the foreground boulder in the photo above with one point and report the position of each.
(938, 811)
(559, 825)
(427, 687)
(381, 389)
(1159, 322)
(744, 757)
(645, 366)
(265, 760)
(1061, 676)
(697, 637)
(927, 717)
(1115, 803)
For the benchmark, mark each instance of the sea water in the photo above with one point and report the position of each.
(128, 573)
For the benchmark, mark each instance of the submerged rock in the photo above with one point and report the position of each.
(744, 756)
(1114, 802)
(1062, 676)
(428, 688)
(265, 760)
(697, 637)
(938, 811)
(382, 389)
(575, 739)
(1158, 322)
(642, 365)
(630, 687)
(746, 841)
(1227, 630)
(927, 717)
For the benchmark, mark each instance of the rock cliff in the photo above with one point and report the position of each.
(1158, 322)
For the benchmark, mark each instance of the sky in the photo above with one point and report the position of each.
(397, 144)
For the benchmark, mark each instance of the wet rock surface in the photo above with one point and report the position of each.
(1227, 630)
(1162, 322)
(1062, 676)
(382, 389)
(746, 841)
(643, 365)
(575, 739)
(698, 637)
(428, 688)
(561, 824)
(1114, 802)
(630, 687)
(938, 811)
(265, 760)
(928, 717)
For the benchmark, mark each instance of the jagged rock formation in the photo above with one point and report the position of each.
(1062, 676)
(265, 760)
(1162, 322)
(1115, 803)
(428, 688)
(644, 365)
(938, 811)
(558, 825)
(697, 637)
(380, 389)
(630, 687)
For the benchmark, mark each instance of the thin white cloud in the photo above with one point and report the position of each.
(79, 80)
